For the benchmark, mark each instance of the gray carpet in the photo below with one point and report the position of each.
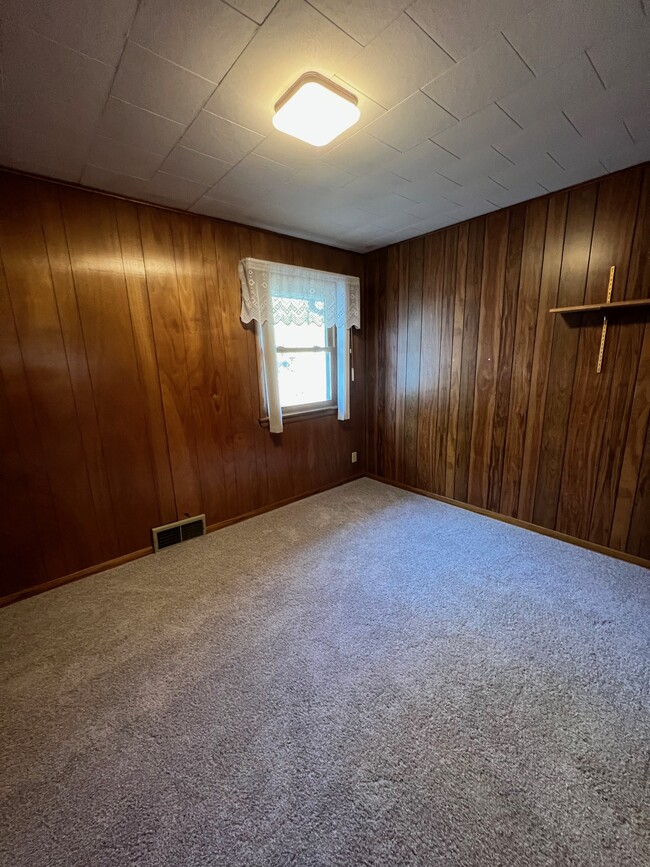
(367, 677)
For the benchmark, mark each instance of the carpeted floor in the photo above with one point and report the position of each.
(367, 677)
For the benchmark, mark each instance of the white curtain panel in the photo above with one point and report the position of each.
(272, 292)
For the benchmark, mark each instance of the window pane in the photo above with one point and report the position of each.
(304, 377)
(310, 332)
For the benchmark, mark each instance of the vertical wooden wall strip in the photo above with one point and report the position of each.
(412, 384)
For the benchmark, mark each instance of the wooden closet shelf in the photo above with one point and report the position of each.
(613, 305)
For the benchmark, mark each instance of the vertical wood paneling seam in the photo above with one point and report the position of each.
(35, 417)
(145, 275)
(67, 361)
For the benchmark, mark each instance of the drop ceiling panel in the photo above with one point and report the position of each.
(135, 126)
(490, 72)
(464, 107)
(204, 36)
(557, 30)
(92, 27)
(148, 81)
(220, 138)
(363, 20)
(412, 121)
(395, 64)
(194, 166)
(460, 31)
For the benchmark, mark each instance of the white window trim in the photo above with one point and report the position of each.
(260, 281)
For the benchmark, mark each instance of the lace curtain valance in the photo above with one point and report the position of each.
(293, 295)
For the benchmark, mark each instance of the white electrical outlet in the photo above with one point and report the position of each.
(354, 457)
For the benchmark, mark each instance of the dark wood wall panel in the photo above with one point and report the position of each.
(129, 393)
(511, 414)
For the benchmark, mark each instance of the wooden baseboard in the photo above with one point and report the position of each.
(544, 531)
(74, 576)
(135, 555)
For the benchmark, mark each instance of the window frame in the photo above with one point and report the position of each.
(306, 410)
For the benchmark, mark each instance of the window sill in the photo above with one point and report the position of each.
(289, 417)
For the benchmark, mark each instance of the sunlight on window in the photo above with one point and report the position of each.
(304, 355)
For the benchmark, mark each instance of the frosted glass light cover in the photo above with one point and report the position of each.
(315, 110)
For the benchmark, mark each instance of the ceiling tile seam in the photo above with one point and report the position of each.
(201, 108)
(91, 165)
(134, 147)
(338, 26)
(233, 122)
(572, 123)
(446, 150)
(495, 148)
(428, 35)
(234, 166)
(173, 63)
(503, 186)
(60, 44)
(356, 89)
(627, 130)
(593, 66)
(507, 115)
(527, 65)
(449, 179)
(549, 154)
(244, 15)
(441, 107)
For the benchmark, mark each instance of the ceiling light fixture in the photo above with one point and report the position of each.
(315, 110)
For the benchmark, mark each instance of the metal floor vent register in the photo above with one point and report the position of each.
(179, 531)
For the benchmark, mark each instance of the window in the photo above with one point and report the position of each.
(303, 319)
(306, 359)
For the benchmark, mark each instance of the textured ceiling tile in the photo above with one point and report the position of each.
(481, 78)
(220, 210)
(324, 175)
(396, 63)
(174, 191)
(548, 132)
(148, 81)
(527, 189)
(37, 71)
(204, 36)
(488, 126)
(541, 168)
(421, 162)
(363, 20)
(294, 38)
(235, 192)
(462, 30)
(564, 87)
(220, 138)
(195, 166)
(477, 166)
(93, 27)
(260, 172)
(396, 221)
(630, 156)
(560, 29)
(411, 122)
(360, 154)
(112, 182)
(476, 192)
(135, 126)
(124, 159)
(52, 153)
(287, 150)
(624, 57)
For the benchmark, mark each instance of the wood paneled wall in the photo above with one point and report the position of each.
(476, 392)
(128, 388)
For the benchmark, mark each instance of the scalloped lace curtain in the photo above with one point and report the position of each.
(273, 293)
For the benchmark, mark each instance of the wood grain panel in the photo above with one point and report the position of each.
(530, 430)
(128, 385)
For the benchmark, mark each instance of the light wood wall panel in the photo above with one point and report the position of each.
(128, 385)
(511, 414)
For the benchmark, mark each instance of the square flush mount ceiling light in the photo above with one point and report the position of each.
(315, 110)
